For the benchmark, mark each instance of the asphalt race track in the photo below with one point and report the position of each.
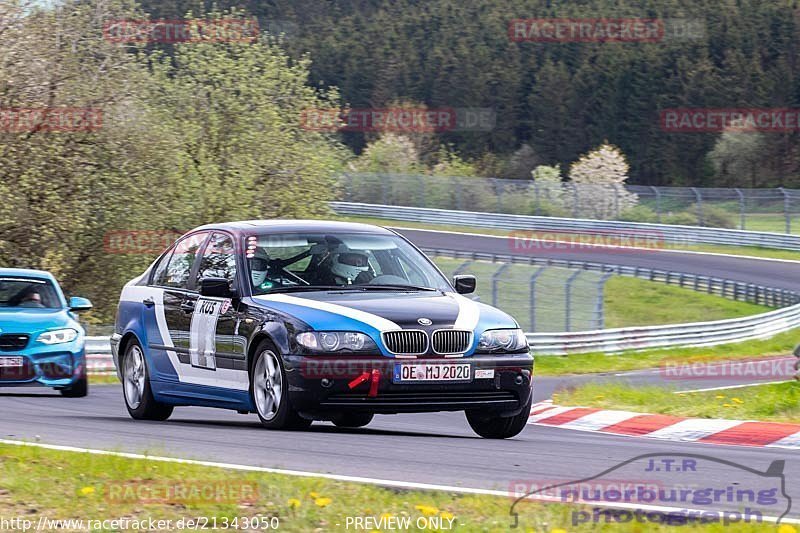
(437, 448)
(784, 275)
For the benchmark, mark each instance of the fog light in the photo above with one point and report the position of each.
(327, 383)
(519, 380)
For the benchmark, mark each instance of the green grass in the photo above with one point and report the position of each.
(637, 302)
(779, 402)
(751, 251)
(628, 301)
(62, 485)
(781, 344)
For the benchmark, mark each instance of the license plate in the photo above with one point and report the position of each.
(10, 362)
(415, 372)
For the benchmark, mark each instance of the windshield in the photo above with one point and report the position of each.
(28, 293)
(325, 261)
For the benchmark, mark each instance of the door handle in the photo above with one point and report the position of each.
(187, 307)
(149, 302)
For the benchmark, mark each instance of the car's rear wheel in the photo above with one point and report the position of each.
(269, 391)
(136, 387)
(79, 389)
(353, 420)
(491, 426)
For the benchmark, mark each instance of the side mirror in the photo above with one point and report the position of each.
(464, 284)
(216, 288)
(79, 304)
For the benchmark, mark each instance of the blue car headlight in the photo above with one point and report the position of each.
(57, 336)
(336, 341)
(502, 340)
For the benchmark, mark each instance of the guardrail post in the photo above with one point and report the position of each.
(532, 309)
(574, 200)
(699, 198)
(786, 211)
(496, 280)
(568, 300)
(741, 207)
(498, 195)
(600, 321)
(384, 189)
(657, 192)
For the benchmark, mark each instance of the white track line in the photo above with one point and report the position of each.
(734, 386)
(609, 246)
(355, 479)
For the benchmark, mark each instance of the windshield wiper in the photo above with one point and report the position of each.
(393, 287)
(301, 288)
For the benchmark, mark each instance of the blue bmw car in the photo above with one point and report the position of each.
(299, 321)
(41, 341)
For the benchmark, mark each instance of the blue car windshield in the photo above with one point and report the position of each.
(312, 261)
(28, 293)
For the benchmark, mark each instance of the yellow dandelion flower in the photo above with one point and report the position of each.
(558, 530)
(294, 503)
(720, 397)
(447, 516)
(427, 510)
(313, 495)
(322, 502)
(86, 491)
(386, 516)
(736, 400)
(727, 405)
(599, 397)
(786, 528)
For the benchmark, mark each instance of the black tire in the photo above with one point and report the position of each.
(491, 426)
(79, 389)
(353, 420)
(147, 407)
(284, 416)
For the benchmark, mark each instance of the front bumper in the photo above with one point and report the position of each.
(319, 385)
(57, 366)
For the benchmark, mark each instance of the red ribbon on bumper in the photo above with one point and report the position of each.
(374, 379)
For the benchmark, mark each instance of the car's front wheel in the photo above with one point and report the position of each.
(491, 426)
(79, 389)
(353, 420)
(269, 390)
(136, 387)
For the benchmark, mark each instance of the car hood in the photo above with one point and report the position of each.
(20, 320)
(387, 311)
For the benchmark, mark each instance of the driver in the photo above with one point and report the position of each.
(31, 298)
(259, 266)
(351, 267)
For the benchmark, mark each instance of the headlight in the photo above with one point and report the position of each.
(502, 340)
(336, 341)
(57, 336)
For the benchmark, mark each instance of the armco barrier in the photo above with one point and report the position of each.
(681, 235)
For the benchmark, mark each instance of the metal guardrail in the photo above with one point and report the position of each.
(731, 289)
(657, 233)
(687, 335)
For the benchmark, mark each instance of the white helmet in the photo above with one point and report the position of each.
(259, 264)
(349, 265)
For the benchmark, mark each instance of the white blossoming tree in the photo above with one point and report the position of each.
(599, 178)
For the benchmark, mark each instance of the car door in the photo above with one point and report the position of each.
(214, 331)
(178, 297)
